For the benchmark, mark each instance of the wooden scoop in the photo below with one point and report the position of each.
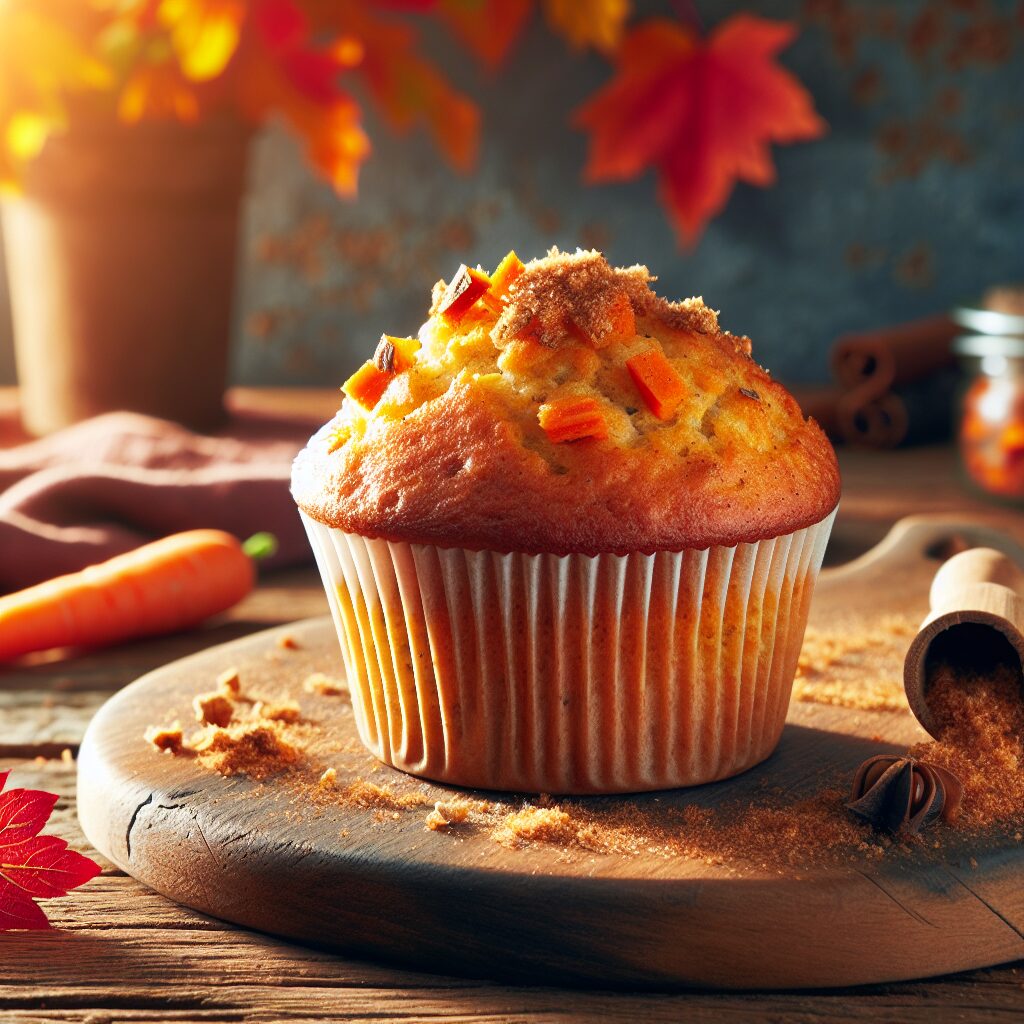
(976, 624)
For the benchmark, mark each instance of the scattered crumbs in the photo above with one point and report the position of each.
(287, 642)
(367, 794)
(213, 708)
(445, 813)
(328, 779)
(254, 749)
(169, 739)
(871, 695)
(536, 824)
(325, 686)
(280, 711)
(860, 669)
(229, 681)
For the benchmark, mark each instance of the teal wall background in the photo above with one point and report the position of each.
(914, 200)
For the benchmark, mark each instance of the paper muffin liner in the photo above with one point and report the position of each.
(574, 674)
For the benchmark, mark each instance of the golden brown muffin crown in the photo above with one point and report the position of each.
(563, 406)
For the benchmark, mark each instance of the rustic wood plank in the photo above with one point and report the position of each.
(123, 953)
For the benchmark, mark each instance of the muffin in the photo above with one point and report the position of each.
(569, 535)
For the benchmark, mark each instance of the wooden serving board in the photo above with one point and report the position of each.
(380, 884)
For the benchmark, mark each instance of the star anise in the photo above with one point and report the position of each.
(902, 795)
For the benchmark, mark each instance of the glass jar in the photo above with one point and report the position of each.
(990, 434)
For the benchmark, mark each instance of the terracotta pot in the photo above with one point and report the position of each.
(121, 255)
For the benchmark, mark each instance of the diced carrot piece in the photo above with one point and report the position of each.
(366, 385)
(505, 273)
(657, 381)
(573, 419)
(501, 280)
(394, 355)
(462, 292)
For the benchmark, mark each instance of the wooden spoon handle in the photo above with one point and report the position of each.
(980, 574)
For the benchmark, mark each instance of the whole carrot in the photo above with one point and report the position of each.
(161, 587)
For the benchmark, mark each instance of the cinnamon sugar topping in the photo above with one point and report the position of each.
(565, 294)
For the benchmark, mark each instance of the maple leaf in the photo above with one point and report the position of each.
(703, 111)
(583, 23)
(33, 867)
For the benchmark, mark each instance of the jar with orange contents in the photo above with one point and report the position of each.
(991, 424)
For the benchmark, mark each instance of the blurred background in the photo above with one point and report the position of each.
(912, 200)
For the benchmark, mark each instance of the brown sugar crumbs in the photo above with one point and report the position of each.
(981, 727)
(280, 711)
(325, 686)
(213, 708)
(446, 813)
(776, 830)
(167, 738)
(860, 669)
(583, 289)
(229, 681)
(367, 794)
(258, 751)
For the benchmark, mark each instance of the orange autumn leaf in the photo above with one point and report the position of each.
(487, 28)
(588, 23)
(702, 111)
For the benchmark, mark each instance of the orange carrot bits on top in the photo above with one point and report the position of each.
(506, 272)
(573, 419)
(395, 355)
(657, 381)
(366, 385)
(462, 292)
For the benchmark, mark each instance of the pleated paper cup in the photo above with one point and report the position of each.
(574, 674)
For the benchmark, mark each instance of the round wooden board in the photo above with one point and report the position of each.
(342, 877)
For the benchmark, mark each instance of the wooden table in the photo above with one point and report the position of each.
(122, 953)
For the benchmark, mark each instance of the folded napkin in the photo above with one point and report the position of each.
(107, 485)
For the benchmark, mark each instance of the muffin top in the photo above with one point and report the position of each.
(562, 406)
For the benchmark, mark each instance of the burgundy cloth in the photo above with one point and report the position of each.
(109, 484)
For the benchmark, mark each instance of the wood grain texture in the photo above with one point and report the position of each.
(264, 856)
(122, 953)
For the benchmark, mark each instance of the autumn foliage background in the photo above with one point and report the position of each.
(880, 139)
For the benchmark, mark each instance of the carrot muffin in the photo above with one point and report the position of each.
(569, 535)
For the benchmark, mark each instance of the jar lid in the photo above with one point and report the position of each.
(981, 345)
(988, 321)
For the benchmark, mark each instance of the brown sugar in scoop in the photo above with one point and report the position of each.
(974, 632)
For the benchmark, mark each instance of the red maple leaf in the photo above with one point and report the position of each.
(33, 867)
(703, 111)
